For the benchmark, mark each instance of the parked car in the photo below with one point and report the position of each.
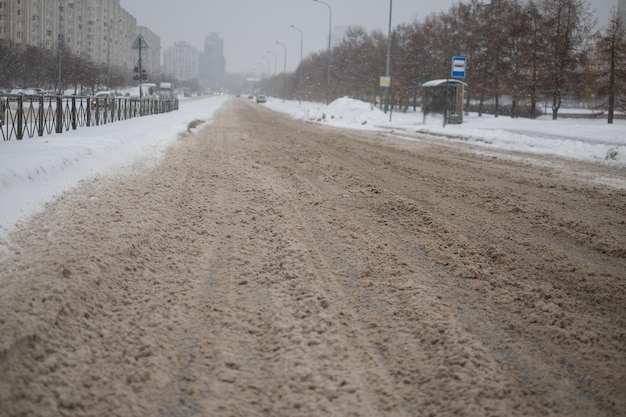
(260, 98)
(26, 91)
(103, 99)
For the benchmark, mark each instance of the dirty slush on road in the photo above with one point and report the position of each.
(270, 267)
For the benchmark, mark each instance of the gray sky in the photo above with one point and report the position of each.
(250, 28)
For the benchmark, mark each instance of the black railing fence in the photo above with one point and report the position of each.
(25, 116)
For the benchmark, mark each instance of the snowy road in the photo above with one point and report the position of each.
(269, 266)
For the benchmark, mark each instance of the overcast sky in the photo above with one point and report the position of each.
(251, 28)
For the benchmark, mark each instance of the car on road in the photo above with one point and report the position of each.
(260, 98)
(103, 99)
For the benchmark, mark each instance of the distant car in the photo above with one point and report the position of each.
(26, 91)
(250, 96)
(103, 99)
(261, 98)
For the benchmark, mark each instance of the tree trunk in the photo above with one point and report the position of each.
(612, 82)
(611, 107)
(497, 109)
(556, 105)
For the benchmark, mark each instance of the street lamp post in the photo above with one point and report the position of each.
(265, 69)
(274, 82)
(284, 69)
(60, 47)
(300, 66)
(330, 20)
(269, 66)
(140, 45)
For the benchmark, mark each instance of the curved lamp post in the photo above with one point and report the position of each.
(299, 75)
(330, 20)
(274, 82)
(284, 69)
(269, 66)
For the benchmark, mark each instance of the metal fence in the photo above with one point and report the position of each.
(23, 116)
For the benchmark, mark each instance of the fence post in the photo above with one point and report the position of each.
(19, 134)
(88, 111)
(74, 120)
(3, 106)
(40, 116)
(59, 115)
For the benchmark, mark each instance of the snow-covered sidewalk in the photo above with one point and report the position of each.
(583, 139)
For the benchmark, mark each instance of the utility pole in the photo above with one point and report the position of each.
(284, 69)
(275, 60)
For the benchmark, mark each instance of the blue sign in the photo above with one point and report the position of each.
(458, 66)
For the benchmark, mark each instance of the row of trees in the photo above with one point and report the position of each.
(38, 67)
(529, 52)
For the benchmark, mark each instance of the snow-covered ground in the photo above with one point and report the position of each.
(583, 139)
(33, 171)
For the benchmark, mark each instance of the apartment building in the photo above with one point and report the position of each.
(100, 30)
(213, 63)
(182, 61)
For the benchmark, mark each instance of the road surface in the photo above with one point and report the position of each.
(272, 267)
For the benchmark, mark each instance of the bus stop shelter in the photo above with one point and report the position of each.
(444, 96)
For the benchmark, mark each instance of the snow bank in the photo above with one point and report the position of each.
(33, 171)
(582, 139)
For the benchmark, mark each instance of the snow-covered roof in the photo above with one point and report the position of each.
(436, 83)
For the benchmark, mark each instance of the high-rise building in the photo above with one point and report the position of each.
(100, 30)
(621, 10)
(181, 61)
(213, 63)
(110, 33)
(32, 23)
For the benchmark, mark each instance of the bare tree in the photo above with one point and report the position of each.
(356, 63)
(612, 51)
(535, 52)
(472, 46)
(569, 27)
(497, 38)
(404, 69)
(518, 69)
